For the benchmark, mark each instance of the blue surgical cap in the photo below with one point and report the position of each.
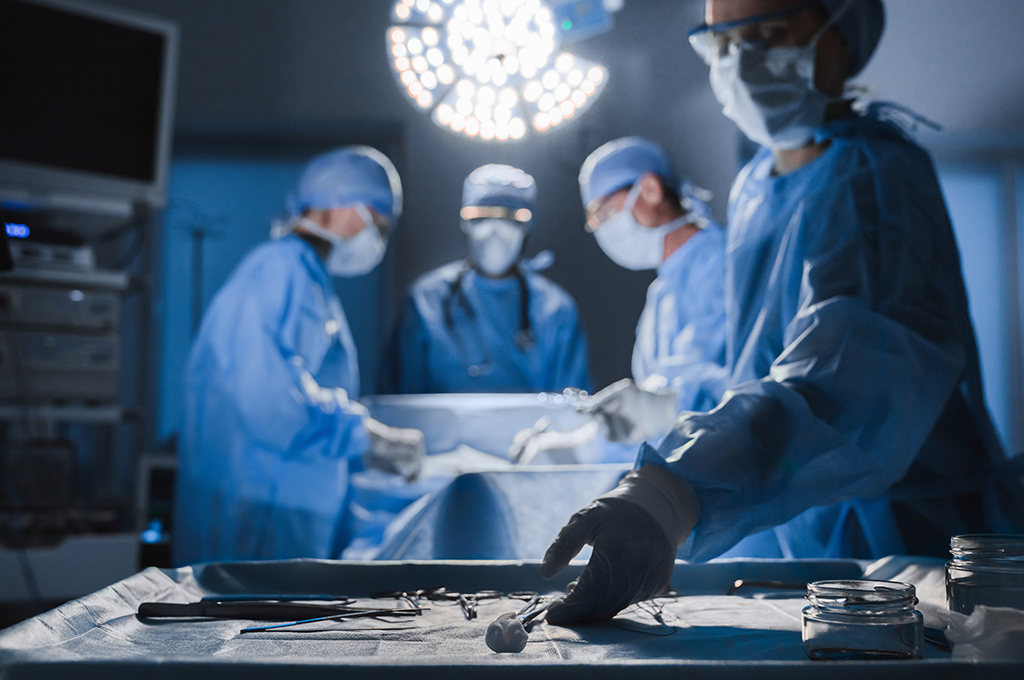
(499, 185)
(861, 26)
(347, 176)
(620, 163)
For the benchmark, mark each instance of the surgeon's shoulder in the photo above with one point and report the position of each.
(898, 171)
(551, 297)
(877, 143)
(265, 280)
(712, 239)
(436, 283)
(256, 264)
(708, 255)
(277, 262)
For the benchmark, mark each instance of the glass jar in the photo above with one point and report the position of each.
(986, 569)
(862, 620)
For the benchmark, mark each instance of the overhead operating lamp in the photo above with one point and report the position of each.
(492, 69)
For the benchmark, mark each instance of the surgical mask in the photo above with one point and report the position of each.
(630, 244)
(352, 256)
(769, 91)
(494, 244)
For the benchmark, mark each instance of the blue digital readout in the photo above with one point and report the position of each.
(15, 230)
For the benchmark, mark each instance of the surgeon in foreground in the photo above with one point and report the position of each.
(854, 425)
(269, 421)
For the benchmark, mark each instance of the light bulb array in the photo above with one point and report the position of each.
(488, 68)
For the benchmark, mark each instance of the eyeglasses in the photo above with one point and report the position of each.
(774, 29)
(600, 210)
(383, 225)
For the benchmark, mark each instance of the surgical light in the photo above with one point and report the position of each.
(490, 69)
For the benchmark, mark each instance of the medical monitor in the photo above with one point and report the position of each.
(86, 104)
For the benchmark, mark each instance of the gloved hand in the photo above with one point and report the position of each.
(629, 414)
(635, 529)
(528, 443)
(522, 439)
(394, 449)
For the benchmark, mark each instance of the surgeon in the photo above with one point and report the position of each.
(270, 424)
(491, 322)
(854, 424)
(643, 217)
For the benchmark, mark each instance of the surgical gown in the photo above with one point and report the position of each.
(680, 339)
(463, 338)
(268, 426)
(855, 423)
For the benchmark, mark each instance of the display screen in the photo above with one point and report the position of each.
(79, 93)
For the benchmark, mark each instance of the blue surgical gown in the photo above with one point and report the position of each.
(680, 339)
(854, 424)
(268, 426)
(477, 351)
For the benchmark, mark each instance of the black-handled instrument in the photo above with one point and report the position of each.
(256, 610)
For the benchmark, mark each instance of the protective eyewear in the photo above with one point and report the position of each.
(484, 212)
(764, 31)
(601, 209)
(382, 223)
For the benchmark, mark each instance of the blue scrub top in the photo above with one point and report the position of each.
(477, 351)
(680, 339)
(268, 422)
(855, 412)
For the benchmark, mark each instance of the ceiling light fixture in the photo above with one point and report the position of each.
(489, 69)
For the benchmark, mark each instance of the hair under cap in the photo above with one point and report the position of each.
(861, 26)
(348, 176)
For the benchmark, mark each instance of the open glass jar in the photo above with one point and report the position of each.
(985, 569)
(862, 620)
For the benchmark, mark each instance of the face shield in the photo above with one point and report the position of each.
(473, 213)
(764, 31)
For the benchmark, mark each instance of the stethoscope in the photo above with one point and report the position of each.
(524, 339)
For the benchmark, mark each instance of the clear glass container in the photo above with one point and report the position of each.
(986, 569)
(859, 620)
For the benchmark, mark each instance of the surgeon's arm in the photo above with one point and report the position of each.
(275, 340)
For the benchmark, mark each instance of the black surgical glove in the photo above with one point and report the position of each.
(635, 529)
